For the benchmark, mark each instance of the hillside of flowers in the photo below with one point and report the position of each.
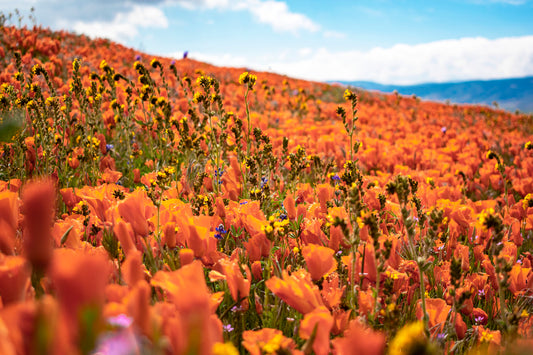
(154, 205)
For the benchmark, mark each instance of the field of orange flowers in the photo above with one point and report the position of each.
(159, 206)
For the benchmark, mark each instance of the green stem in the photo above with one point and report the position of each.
(423, 296)
(378, 276)
(248, 139)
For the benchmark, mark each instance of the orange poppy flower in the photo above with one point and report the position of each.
(136, 176)
(324, 193)
(255, 225)
(367, 271)
(367, 301)
(125, 235)
(79, 277)
(100, 199)
(509, 252)
(9, 210)
(31, 155)
(238, 285)
(138, 307)
(341, 320)
(258, 246)
(170, 231)
(320, 261)
(74, 225)
(312, 233)
(136, 209)
(193, 328)
(133, 268)
(321, 319)
(201, 240)
(185, 287)
(336, 236)
(518, 279)
(39, 200)
(488, 340)
(186, 256)
(438, 310)
(110, 176)
(231, 180)
(257, 270)
(14, 279)
(331, 292)
(17, 328)
(289, 205)
(461, 252)
(297, 290)
(6, 345)
(360, 340)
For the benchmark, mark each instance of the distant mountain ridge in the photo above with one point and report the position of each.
(510, 94)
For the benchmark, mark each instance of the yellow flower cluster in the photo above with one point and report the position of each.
(272, 346)
(407, 338)
(527, 201)
(247, 78)
(486, 336)
(224, 349)
(349, 95)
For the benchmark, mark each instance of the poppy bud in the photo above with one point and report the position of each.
(257, 270)
(186, 256)
(136, 176)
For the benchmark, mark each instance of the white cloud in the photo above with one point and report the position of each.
(440, 61)
(334, 34)
(304, 52)
(510, 2)
(120, 19)
(124, 26)
(270, 12)
(278, 15)
(225, 59)
(206, 4)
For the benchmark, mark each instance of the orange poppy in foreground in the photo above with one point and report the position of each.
(136, 209)
(191, 325)
(9, 211)
(317, 324)
(297, 290)
(14, 279)
(360, 340)
(238, 285)
(79, 278)
(39, 201)
(438, 311)
(320, 261)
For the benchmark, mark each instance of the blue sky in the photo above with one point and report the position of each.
(387, 41)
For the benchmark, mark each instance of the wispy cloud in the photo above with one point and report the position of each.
(276, 14)
(509, 2)
(223, 59)
(124, 26)
(333, 34)
(439, 61)
(120, 19)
